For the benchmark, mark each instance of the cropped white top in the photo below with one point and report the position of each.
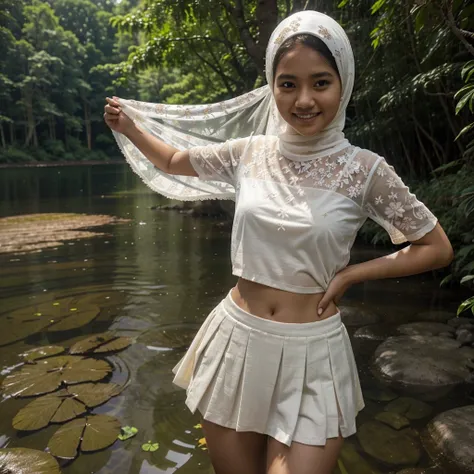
(296, 221)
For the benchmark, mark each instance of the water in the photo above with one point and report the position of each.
(164, 272)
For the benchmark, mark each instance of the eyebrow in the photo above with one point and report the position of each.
(314, 76)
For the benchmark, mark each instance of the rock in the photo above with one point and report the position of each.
(424, 329)
(380, 394)
(396, 421)
(410, 408)
(354, 462)
(396, 448)
(467, 326)
(456, 322)
(464, 336)
(375, 332)
(470, 378)
(434, 315)
(352, 316)
(421, 470)
(446, 334)
(425, 366)
(449, 439)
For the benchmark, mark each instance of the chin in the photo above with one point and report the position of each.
(306, 131)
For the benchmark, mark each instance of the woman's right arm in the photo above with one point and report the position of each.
(165, 157)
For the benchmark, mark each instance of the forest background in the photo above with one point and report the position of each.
(413, 101)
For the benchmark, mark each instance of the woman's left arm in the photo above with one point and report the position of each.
(431, 252)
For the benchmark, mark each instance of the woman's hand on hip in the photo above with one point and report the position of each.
(336, 289)
(116, 119)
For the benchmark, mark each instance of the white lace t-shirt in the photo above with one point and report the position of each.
(296, 221)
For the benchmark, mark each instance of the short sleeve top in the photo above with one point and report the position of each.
(296, 222)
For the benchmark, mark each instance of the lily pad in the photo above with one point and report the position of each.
(27, 461)
(150, 446)
(84, 434)
(103, 299)
(60, 315)
(127, 432)
(47, 375)
(100, 343)
(42, 353)
(64, 405)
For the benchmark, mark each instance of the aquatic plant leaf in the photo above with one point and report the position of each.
(59, 315)
(150, 446)
(37, 414)
(103, 299)
(171, 336)
(47, 375)
(101, 431)
(65, 441)
(116, 345)
(76, 318)
(99, 343)
(42, 352)
(87, 434)
(63, 405)
(27, 461)
(94, 394)
(13, 331)
(68, 410)
(127, 432)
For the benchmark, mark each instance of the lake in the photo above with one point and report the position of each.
(162, 272)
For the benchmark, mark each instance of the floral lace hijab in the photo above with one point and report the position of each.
(253, 113)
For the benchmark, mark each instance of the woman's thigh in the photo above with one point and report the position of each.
(302, 458)
(235, 452)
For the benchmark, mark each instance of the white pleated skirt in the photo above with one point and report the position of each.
(291, 381)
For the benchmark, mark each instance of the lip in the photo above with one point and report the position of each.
(307, 120)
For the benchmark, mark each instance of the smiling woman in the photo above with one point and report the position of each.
(271, 370)
(307, 98)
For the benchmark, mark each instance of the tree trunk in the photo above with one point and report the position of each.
(31, 135)
(87, 121)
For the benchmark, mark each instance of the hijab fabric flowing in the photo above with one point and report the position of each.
(253, 113)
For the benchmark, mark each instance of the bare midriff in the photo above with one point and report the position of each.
(279, 305)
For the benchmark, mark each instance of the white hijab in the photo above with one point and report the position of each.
(186, 126)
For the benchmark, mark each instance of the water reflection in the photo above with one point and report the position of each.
(165, 271)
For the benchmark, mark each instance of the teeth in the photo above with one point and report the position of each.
(306, 116)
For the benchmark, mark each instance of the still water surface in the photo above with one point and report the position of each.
(164, 271)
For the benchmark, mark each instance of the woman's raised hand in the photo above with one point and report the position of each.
(115, 118)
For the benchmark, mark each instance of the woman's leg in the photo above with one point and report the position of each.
(302, 458)
(235, 452)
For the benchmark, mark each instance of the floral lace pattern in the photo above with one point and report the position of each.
(359, 175)
(390, 203)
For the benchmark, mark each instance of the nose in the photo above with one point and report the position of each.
(305, 98)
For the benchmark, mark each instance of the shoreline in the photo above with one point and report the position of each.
(49, 164)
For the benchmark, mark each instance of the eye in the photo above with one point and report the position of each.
(322, 83)
(287, 85)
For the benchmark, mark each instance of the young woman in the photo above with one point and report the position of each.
(272, 370)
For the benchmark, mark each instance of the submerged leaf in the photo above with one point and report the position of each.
(127, 433)
(60, 315)
(42, 352)
(63, 405)
(27, 461)
(99, 343)
(87, 434)
(47, 375)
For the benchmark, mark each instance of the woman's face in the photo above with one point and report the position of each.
(307, 90)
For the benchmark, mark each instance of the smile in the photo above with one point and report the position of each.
(306, 117)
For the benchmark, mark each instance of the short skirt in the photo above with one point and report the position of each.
(291, 381)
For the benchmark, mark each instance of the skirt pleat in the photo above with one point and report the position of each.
(294, 382)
